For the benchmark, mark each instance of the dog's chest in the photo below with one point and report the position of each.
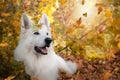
(46, 63)
(41, 66)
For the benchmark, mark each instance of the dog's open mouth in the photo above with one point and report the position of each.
(41, 50)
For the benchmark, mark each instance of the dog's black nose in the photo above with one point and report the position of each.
(48, 40)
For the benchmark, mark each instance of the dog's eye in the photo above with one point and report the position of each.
(47, 33)
(36, 33)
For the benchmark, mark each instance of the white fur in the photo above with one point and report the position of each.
(43, 67)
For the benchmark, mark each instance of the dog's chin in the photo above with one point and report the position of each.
(41, 50)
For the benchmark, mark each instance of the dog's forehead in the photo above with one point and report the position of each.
(43, 29)
(39, 27)
(36, 27)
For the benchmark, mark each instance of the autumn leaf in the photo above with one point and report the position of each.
(100, 5)
(118, 45)
(14, 1)
(69, 30)
(4, 44)
(63, 43)
(5, 14)
(62, 1)
(85, 14)
(108, 13)
(117, 37)
(116, 69)
(100, 9)
(15, 23)
(80, 64)
(83, 2)
(10, 78)
(79, 21)
(0, 20)
(116, 22)
(107, 74)
(101, 29)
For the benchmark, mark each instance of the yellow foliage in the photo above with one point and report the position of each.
(17, 14)
(118, 45)
(94, 52)
(15, 23)
(62, 1)
(13, 1)
(116, 22)
(4, 44)
(10, 78)
(108, 13)
(63, 43)
(68, 42)
(5, 14)
(49, 9)
(91, 55)
(69, 30)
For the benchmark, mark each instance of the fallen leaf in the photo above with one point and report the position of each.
(80, 64)
(107, 75)
(90, 67)
(118, 45)
(116, 69)
(0, 20)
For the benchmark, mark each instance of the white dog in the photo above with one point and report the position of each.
(36, 52)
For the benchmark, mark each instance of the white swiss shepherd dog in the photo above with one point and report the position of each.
(35, 50)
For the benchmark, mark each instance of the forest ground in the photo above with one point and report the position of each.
(98, 69)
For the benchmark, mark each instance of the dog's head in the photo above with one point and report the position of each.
(38, 40)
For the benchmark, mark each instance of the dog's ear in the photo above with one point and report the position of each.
(44, 20)
(26, 21)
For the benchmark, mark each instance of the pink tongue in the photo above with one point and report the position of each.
(44, 50)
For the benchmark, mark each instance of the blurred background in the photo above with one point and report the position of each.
(87, 29)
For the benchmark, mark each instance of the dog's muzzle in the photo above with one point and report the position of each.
(43, 50)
